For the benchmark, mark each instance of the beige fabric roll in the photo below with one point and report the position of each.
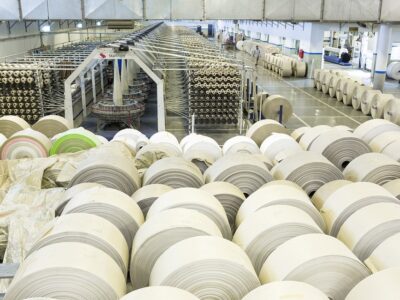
(386, 255)
(393, 151)
(368, 227)
(159, 233)
(372, 128)
(175, 172)
(348, 199)
(229, 196)
(151, 153)
(381, 285)
(366, 100)
(259, 131)
(73, 271)
(320, 79)
(271, 108)
(381, 141)
(278, 195)
(378, 103)
(158, 293)
(12, 124)
(393, 187)
(325, 191)
(340, 147)
(326, 80)
(212, 268)
(165, 137)
(316, 76)
(240, 144)
(286, 68)
(52, 125)
(110, 204)
(132, 138)
(334, 85)
(300, 69)
(196, 199)
(391, 111)
(281, 290)
(340, 88)
(324, 262)
(146, 195)
(278, 146)
(372, 167)
(298, 133)
(270, 227)
(357, 96)
(311, 134)
(349, 88)
(283, 183)
(309, 170)
(240, 169)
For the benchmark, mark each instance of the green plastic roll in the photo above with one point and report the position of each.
(74, 140)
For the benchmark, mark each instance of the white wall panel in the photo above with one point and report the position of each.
(391, 10)
(65, 9)
(234, 9)
(158, 9)
(354, 10)
(307, 10)
(113, 9)
(187, 9)
(9, 10)
(34, 9)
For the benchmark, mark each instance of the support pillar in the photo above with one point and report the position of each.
(117, 92)
(382, 53)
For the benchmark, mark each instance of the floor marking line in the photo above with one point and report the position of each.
(301, 120)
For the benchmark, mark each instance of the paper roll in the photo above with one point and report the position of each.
(309, 170)
(259, 131)
(340, 147)
(73, 271)
(323, 262)
(381, 141)
(146, 195)
(357, 96)
(316, 76)
(175, 172)
(12, 124)
(393, 70)
(291, 290)
(132, 138)
(386, 255)
(74, 140)
(109, 169)
(340, 88)
(334, 85)
(325, 191)
(278, 194)
(348, 199)
(368, 227)
(393, 151)
(27, 143)
(381, 285)
(242, 170)
(320, 79)
(349, 90)
(372, 167)
(300, 69)
(87, 229)
(378, 103)
(230, 197)
(366, 100)
(164, 137)
(151, 153)
(372, 128)
(159, 233)
(278, 146)
(298, 133)
(158, 293)
(52, 125)
(240, 144)
(326, 80)
(111, 205)
(393, 187)
(268, 228)
(391, 111)
(311, 134)
(212, 268)
(196, 199)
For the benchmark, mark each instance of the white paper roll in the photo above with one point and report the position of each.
(158, 293)
(298, 133)
(386, 255)
(326, 80)
(240, 144)
(12, 124)
(164, 137)
(279, 144)
(242, 170)
(393, 187)
(133, 138)
(259, 131)
(325, 191)
(196, 199)
(340, 88)
(391, 111)
(334, 85)
(381, 141)
(378, 103)
(311, 134)
(370, 129)
(348, 91)
(368, 227)
(372, 167)
(357, 96)
(146, 195)
(159, 233)
(290, 290)
(393, 70)
(323, 262)
(393, 151)
(316, 76)
(366, 100)
(212, 268)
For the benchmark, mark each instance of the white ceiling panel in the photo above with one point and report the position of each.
(351, 10)
(187, 9)
(9, 10)
(65, 9)
(391, 10)
(34, 9)
(158, 9)
(307, 10)
(113, 9)
(234, 9)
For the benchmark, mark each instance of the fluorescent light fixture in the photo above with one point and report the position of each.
(98, 23)
(79, 25)
(46, 28)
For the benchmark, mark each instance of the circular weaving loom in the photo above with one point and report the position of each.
(242, 170)
(175, 172)
(146, 195)
(111, 170)
(309, 170)
(52, 125)
(27, 143)
(196, 199)
(74, 140)
(159, 233)
(63, 270)
(111, 205)
(158, 293)
(324, 262)
(259, 131)
(291, 290)
(208, 267)
(12, 124)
